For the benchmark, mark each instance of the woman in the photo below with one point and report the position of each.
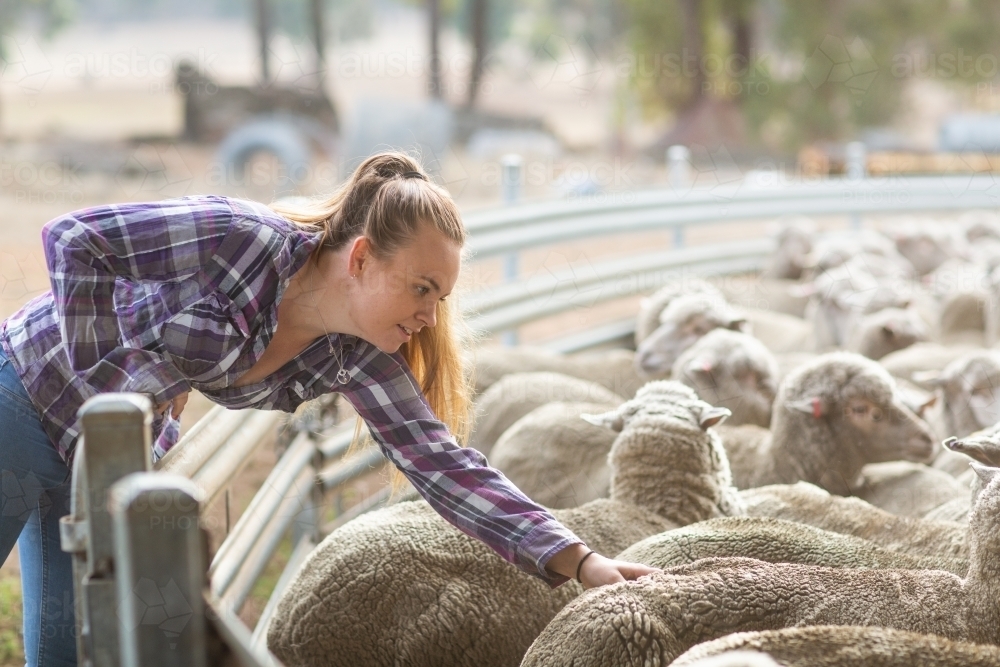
(263, 307)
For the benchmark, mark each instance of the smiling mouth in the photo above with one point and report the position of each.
(407, 332)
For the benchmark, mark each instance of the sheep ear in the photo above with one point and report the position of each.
(739, 324)
(985, 473)
(711, 416)
(612, 420)
(932, 378)
(811, 406)
(888, 331)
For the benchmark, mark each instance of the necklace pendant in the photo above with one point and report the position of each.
(343, 377)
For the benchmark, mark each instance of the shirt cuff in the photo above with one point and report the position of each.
(538, 547)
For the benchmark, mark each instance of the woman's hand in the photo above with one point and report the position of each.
(178, 404)
(596, 570)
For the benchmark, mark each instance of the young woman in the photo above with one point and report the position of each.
(256, 307)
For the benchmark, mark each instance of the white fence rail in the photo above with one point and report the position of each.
(210, 456)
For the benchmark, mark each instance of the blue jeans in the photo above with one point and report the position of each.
(34, 493)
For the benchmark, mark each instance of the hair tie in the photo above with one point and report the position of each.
(413, 174)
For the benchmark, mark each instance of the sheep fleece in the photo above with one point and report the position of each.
(424, 588)
(652, 620)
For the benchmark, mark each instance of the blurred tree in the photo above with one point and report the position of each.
(803, 71)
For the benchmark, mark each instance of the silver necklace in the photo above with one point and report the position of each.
(343, 377)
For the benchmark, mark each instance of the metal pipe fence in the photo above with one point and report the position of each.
(121, 562)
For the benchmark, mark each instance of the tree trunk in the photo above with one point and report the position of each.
(263, 16)
(434, 19)
(480, 10)
(694, 50)
(742, 44)
(319, 40)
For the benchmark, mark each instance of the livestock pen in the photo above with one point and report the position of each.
(147, 591)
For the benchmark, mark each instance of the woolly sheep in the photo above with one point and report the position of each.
(832, 416)
(809, 504)
(686, 319)
(556, 458)
(732, 370)
(886, 331)
(835, 249)
(659, 616)
(843, 646)
(517, 394)
(400, 585)
(926, 244)
(795, 244)
(909, 489)
(968, 401)
(652, 307)
(781, 333)
(774, 541)
(757, 292)
(612, 369)
(982, 447)
(843, 295)
(961, 288)
(922, 362)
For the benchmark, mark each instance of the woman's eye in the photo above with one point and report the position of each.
(422, 290)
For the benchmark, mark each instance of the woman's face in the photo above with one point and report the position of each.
(398, 295)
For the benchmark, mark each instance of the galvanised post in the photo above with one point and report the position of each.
(161, 565)
(512, 178)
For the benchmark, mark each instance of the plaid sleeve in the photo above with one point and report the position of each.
(457, 482)
(87, 250)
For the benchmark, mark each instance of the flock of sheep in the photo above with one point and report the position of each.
(846, 513)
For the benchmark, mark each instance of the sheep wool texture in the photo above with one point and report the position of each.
(612, 369)
(558, 459)
(808, 504)
(515, 395)
(655, 618)
(653, 306)
(401, 586)
(817, 434)
(775, 541)
(845, 646)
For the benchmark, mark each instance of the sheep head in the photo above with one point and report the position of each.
(682, 323)
(666, 458)
(848, 406)
(732, 370)
(969, 388)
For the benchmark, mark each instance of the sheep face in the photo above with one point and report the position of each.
(664, 398)
(970, 392)
(732, 370)
(983, 447)
(856, 399)
(682, 323)
(888, 330)
(843, 295)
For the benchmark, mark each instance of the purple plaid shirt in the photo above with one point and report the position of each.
(163, 297)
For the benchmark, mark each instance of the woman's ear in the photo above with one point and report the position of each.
(358, 256)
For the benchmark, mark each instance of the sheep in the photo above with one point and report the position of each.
(657, 617)
(684, 320)
(982, 447)
(517, 394)
(775, 541)
(926, 244)
(923, 362)
(556, 458)
(968, 401)
(886, 331)
(910, 489)
(759, 292)
(779, 332)
(961, 288)
(832, 416)
(795, 244)
(811, 505)
(400, 585)
(841, 646)
(732, 370)
(737, 659)
(652, 307)
(612, 369)
(835, 249)
(844, 294)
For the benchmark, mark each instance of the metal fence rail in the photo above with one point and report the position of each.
(312, 467)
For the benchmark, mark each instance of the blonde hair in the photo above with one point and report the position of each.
(386, 200)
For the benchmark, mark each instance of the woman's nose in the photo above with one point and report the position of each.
(428, 315)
